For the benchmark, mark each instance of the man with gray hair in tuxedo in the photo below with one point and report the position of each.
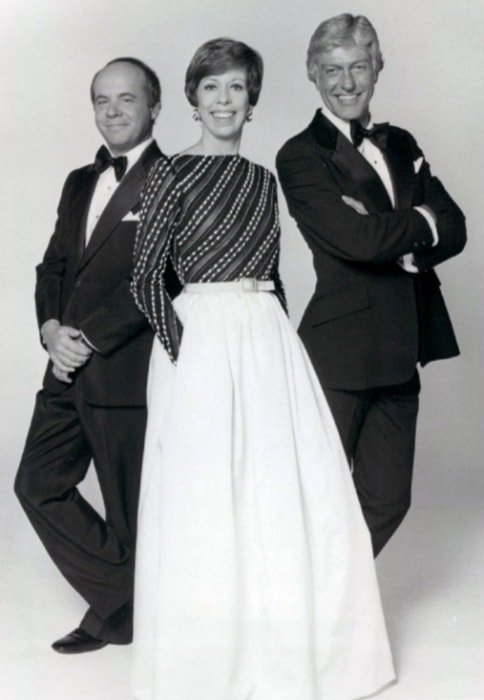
(377, 222)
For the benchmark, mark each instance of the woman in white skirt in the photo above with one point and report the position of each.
(255, 577)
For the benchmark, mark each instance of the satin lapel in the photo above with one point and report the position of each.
(123, 200)
(355, 175)
(401, 168)
(364, 182)
(79, 206)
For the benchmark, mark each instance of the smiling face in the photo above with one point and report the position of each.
(121, 106)
(345, 79)
(223, 102)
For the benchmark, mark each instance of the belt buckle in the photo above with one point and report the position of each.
(249, 284)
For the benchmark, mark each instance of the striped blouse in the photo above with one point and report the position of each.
(216, 219)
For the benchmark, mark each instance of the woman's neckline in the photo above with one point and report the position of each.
(207, 155)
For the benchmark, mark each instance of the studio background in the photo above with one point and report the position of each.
(431, 571)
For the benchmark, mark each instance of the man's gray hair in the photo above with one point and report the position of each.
(338, 31)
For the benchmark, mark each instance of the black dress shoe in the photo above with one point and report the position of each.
(77, 642)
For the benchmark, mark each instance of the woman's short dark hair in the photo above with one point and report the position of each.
(218, 56)
(153, 86)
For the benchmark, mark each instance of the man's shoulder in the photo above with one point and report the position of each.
(319, 137)
(151, 155)
(81, 171)
(302, 137)
(400, 132)
(77, 178)
(299, 142)
(400, 138)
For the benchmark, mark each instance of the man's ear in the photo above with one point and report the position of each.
(155, 110)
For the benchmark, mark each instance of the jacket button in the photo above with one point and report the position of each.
(78, 284)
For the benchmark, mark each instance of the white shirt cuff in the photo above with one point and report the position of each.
(407, 263)
(428, 218)
(87, 342)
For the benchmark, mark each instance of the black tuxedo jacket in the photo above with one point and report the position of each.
(87, 287)
(369, 322)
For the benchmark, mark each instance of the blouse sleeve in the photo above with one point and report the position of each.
(160, 209)
(274, 274)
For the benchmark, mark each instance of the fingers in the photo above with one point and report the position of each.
(67, 360)
(71, 332)
(71, 355)
(67, 350)
(68, 347)
(60, 375)
(63, 365)
(74, 351)
(69, 340)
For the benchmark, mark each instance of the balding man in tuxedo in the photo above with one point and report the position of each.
(92, 405)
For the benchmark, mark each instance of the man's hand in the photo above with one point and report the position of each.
(61, 376)
(66, 348)
(355, 204)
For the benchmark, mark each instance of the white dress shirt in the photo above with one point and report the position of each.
(107, 185)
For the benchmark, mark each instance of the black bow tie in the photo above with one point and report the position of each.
(104, 160)
(377, 135)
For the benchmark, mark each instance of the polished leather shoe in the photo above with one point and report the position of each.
(77, 642)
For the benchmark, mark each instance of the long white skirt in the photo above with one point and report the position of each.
(255, 577)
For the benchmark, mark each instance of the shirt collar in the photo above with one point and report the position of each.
(341, 124)
(134, 154)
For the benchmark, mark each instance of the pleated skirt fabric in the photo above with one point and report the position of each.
(254, 575)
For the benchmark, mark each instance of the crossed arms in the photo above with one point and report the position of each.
(350, 229)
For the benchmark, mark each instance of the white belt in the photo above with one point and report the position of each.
(247, 284)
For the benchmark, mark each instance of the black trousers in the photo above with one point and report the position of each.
(377, 427)
(95, 554)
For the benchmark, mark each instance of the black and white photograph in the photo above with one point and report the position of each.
(242, 351)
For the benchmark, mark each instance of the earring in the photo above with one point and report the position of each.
(250, 115)
(196, 115)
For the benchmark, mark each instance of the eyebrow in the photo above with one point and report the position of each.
(217, 77)
(338, 65)
(122, 94)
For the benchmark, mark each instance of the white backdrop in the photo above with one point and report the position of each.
(431, 84)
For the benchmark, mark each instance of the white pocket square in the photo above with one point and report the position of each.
(417, 164)
(130, 216)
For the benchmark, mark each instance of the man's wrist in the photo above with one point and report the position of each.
(46, 327)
